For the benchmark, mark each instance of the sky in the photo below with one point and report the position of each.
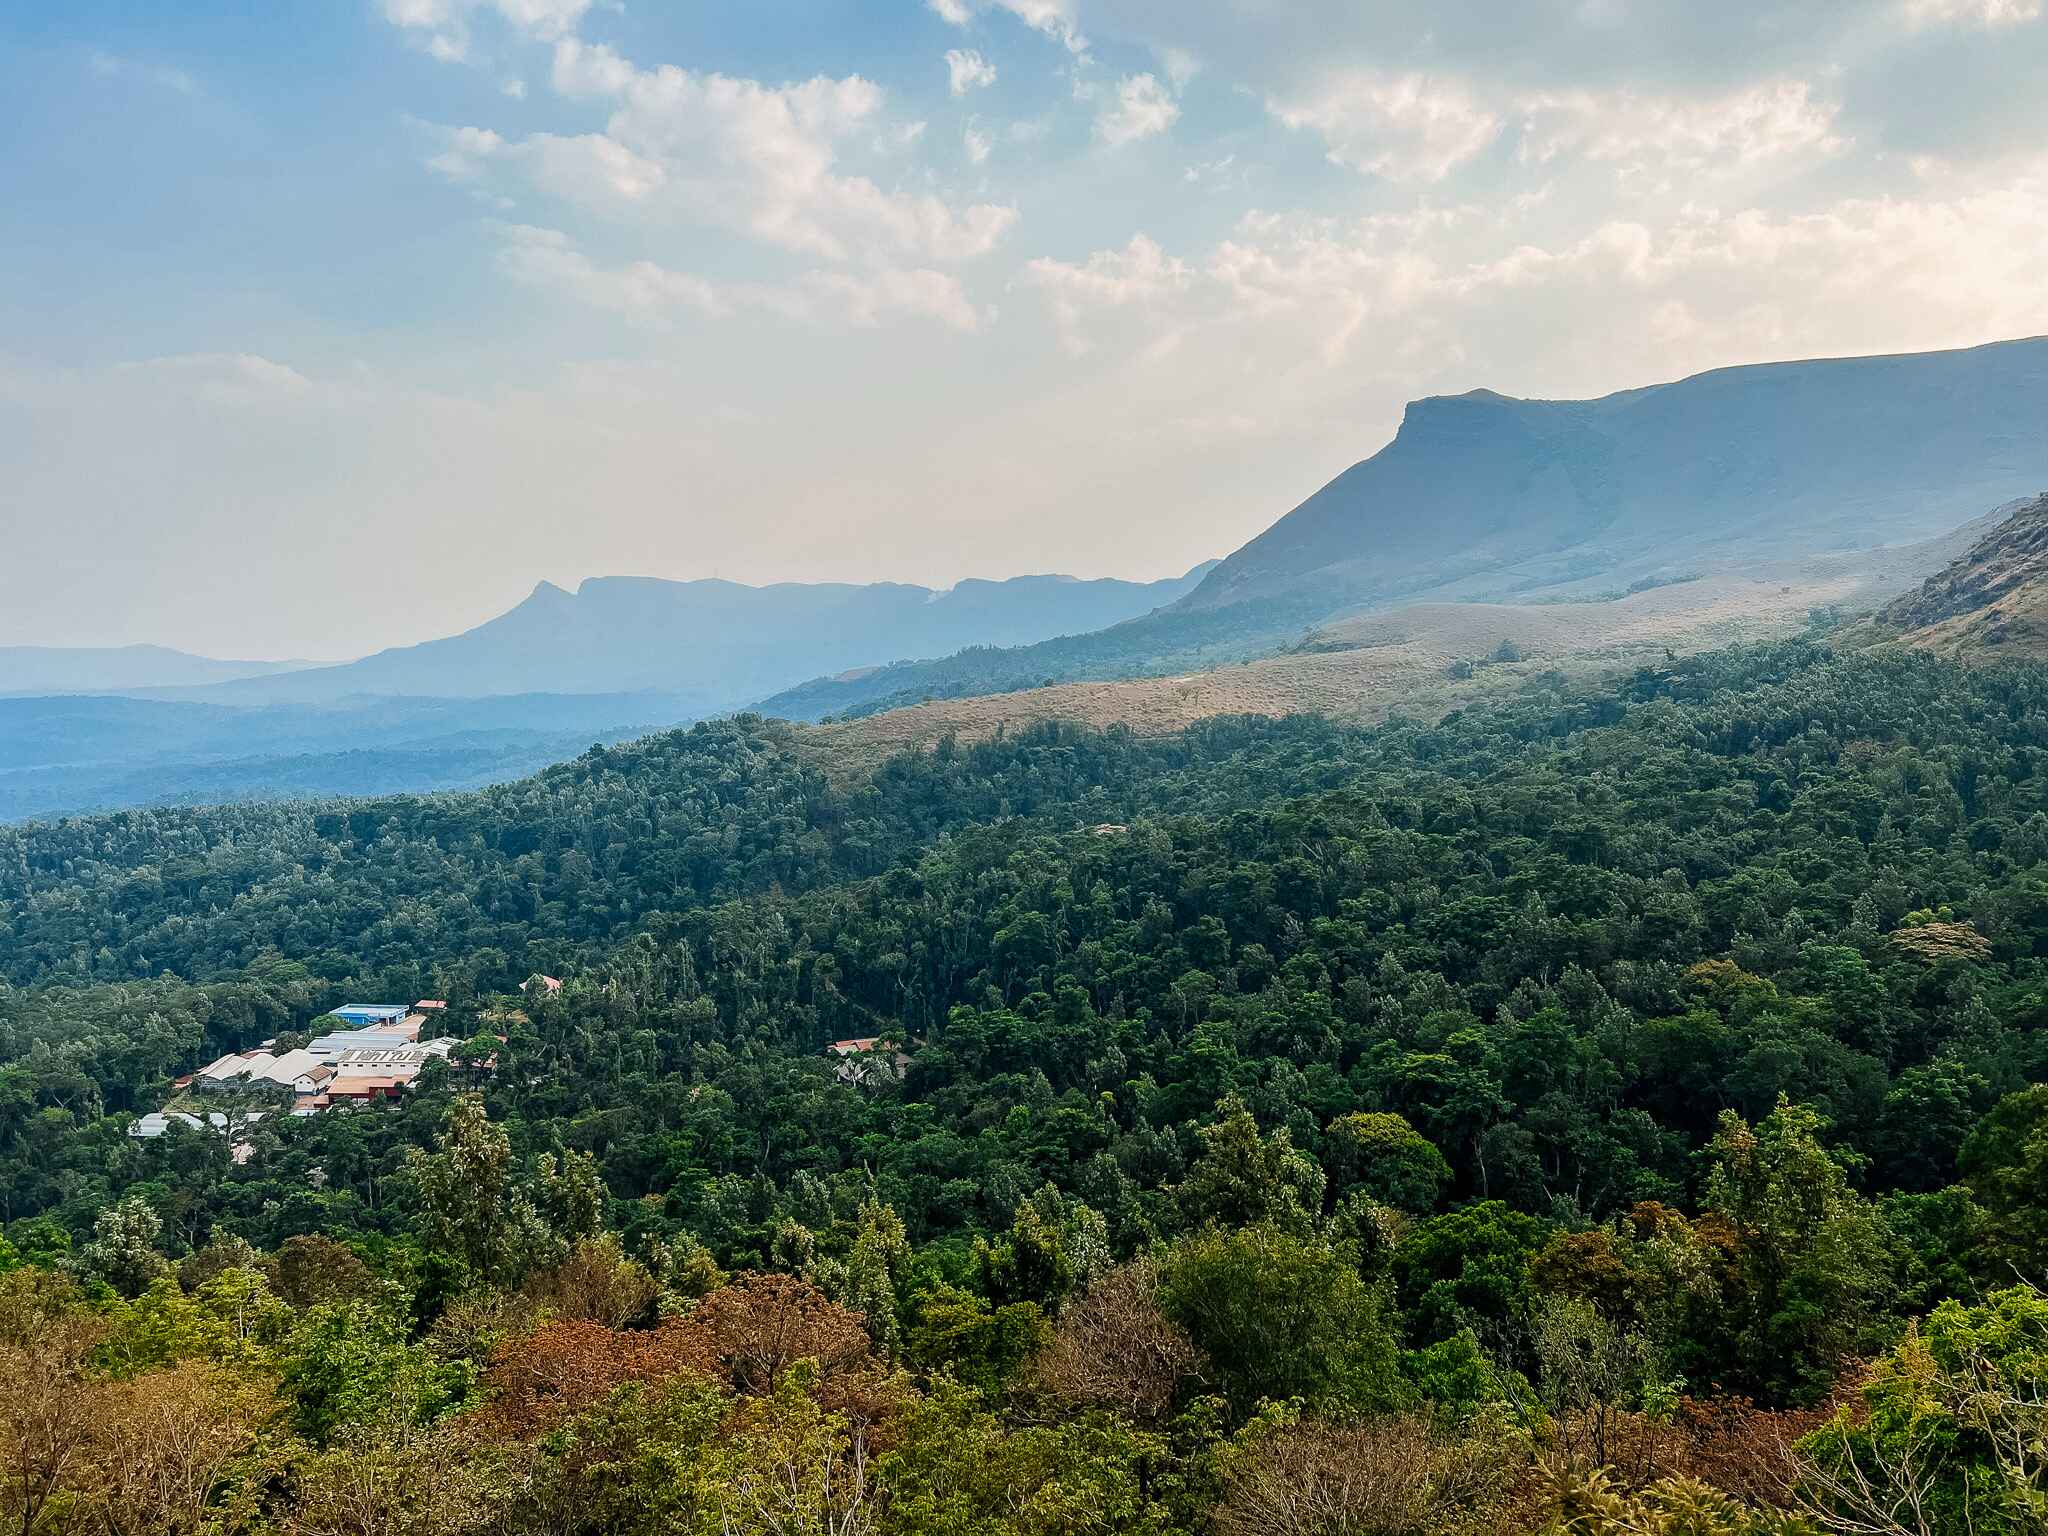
(331, 326)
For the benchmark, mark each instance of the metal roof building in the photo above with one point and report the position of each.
(370, 1013)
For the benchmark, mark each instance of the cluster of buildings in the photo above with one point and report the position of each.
(374, 1057)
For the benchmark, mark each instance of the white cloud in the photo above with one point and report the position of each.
(112, 66)
(1976, 13)
(543, 18)
(1404, 127)
(1289, 304)
(590, 69)
(1143, 107)
(1140, 275)
(513, 87)
(648, 292)
(1421, 128)
(465, 153)
(866, 299)
(226, 378)
(1648, 134)
(976, 143)
(680, 146)
(760, 158)
(591, 168)
(443, 25)
(546, 258)
(1056, 19)
(967, 70)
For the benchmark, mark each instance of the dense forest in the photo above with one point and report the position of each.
(1603, 1110)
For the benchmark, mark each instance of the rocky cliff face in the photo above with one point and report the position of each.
(1993, 601)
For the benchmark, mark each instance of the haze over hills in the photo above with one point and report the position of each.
(1770, 471)
(537, 684)
(716, 645)
(99, 669)
(1484, 498)
(69, 754)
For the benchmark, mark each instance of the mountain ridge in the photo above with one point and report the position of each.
(1783, 459)
(716, 644)
(29, 669)
(1483, 497)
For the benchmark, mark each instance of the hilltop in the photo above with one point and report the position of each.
(1484, 498)
(1481, 495)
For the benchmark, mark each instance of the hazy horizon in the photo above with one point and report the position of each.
(327, 332)
(575, 589)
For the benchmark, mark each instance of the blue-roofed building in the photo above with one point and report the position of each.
(370, 1013)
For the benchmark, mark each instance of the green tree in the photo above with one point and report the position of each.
(2005, 1164)
(570, 1195)
(470, 1206)
(1952, 1434)
(350, 1366)
(1029, 1263)
(981, 1344)
(873, 1274)
(1242, 1178)
(1469, 1269)
(1385, 1156)
(122, 1252)
(1809, 1253)
(1281, 1316)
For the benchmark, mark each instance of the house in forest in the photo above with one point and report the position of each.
(867, 1061)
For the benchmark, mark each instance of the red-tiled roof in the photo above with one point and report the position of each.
(352, 1087)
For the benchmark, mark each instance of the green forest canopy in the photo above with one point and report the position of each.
(1580, 1082)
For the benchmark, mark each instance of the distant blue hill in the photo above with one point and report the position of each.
(620, 657)
(98, 669)
(717, 644)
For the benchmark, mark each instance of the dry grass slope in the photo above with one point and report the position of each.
(1371, 666)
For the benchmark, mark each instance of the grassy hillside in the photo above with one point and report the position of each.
(1425, 658)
